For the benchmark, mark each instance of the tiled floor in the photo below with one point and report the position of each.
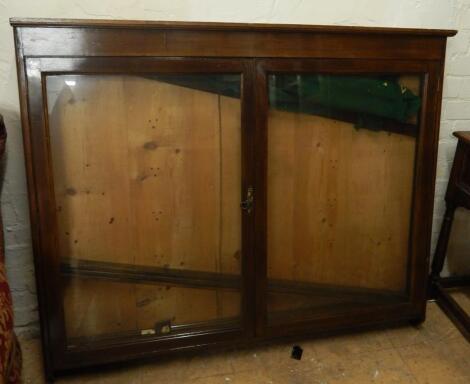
(433, 353)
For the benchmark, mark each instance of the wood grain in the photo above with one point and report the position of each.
(118, 42)
(98, 308)
(155, 184)
(338, 202)
(215, 26)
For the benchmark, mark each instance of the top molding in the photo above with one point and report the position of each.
(178, 25)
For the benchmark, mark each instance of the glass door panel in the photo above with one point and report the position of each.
(147, 180)
(340, 171)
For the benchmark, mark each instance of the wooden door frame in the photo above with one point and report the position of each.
(254, 151)
(422, 199)
(43, 212)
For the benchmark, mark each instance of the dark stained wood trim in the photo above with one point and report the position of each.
(337, 318)
(118, 42)
(175, 65)
(357, 294)
(248, 181)
(146, 275)
(139, 274)
(292, 316)
(325, 325)
(424, 186)
(134, 65)
(44, 308)
(216, 26)
(107, 340)
(343, 66)
(46, 254)
(260, 212)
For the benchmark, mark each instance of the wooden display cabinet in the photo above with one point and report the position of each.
(195, 185)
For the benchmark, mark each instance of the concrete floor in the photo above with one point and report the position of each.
(432, 353)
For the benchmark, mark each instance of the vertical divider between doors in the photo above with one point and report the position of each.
(248, 180)
(260, 165)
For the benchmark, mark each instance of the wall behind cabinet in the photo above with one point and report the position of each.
(453, 14)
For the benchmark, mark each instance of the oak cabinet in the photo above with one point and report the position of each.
(195, 185)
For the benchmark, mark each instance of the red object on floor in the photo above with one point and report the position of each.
(10, 353)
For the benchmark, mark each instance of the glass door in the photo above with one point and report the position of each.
(149, 170)
(341, 147)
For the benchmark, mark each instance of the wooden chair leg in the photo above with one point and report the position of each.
(442, 242)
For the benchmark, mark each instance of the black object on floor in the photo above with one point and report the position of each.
(296, 352)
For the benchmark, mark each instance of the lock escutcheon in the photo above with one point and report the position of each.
(247, 204)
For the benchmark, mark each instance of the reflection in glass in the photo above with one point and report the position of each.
(147, 174)
(341, 153)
